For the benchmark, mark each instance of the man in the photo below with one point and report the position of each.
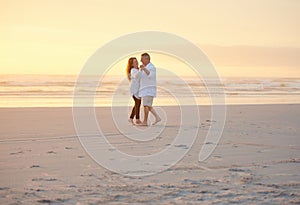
(148, 88)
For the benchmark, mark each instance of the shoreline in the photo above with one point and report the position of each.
(205, 105)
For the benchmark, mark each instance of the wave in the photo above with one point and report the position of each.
(60, 89)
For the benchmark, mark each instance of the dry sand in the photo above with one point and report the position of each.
(256, 161)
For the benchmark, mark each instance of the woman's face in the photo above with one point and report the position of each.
(135, 63)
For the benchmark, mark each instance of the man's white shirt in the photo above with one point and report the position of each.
(148, 82)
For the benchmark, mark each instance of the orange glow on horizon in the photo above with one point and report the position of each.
(50, 37)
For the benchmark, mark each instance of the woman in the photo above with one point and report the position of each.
(133, 76)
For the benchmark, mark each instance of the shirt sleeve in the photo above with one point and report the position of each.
(135, 74)
(152, 71)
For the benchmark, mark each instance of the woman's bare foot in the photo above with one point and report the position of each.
(131, 121)
(157, 120)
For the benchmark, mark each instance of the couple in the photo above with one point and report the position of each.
(142, 88)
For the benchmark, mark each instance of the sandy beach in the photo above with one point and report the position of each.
(257, 160)
(225, 78)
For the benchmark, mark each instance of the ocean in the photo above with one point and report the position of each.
(58, 90)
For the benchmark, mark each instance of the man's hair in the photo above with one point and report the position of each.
(146, 55)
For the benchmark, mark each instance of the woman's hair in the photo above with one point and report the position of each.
(129, 66)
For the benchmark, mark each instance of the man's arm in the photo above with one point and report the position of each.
(150, 72)
(145, 70)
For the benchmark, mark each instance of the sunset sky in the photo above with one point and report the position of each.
(241, 37)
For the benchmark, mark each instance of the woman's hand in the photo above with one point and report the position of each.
(142, 67)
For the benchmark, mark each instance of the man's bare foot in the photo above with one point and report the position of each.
(142, 124)
(138, 121)
(156, 121)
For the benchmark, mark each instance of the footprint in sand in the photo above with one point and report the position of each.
(20, 152)
(238, 170)
(44, 179)
(182, 146)
(15, 153)
(50, 201)
(4, 188)
(217, 157)
(35, 166)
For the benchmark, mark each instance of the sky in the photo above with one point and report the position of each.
(257, 38)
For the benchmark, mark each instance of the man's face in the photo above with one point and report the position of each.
(144, 60)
